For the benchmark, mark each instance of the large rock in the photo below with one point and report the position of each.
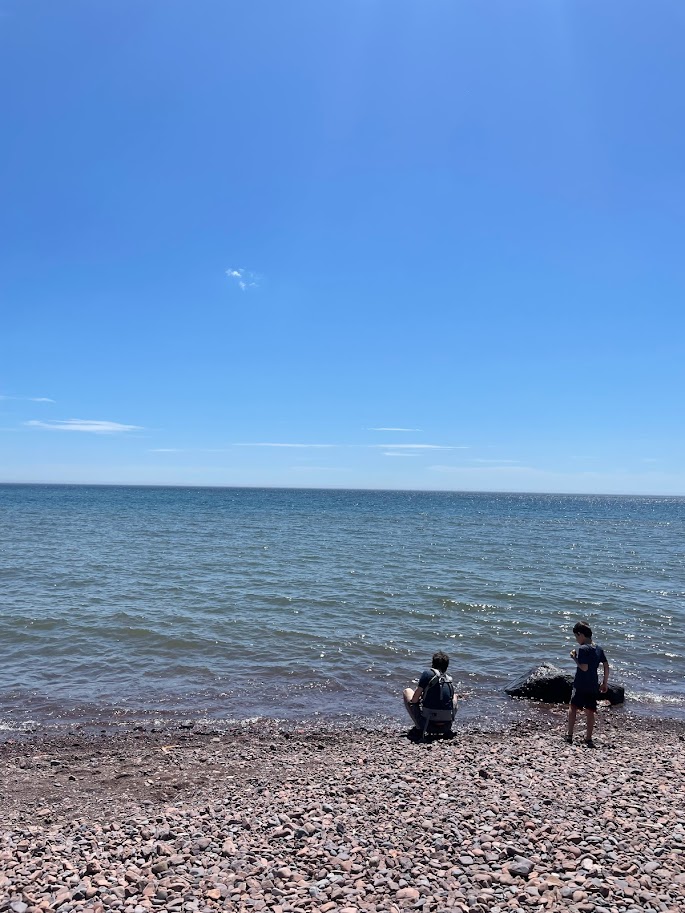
(552, 686)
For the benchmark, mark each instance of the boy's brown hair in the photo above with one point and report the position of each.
(440, 661)
(582, 627)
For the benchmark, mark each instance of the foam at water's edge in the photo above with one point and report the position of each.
(652, 697)
(23, 726)
(511, 712)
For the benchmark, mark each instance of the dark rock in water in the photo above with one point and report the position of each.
(543, 683)
(552, 686)
(615, 694)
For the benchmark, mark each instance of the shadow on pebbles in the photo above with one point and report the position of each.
(337, 822)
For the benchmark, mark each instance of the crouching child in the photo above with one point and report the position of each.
(432, 706)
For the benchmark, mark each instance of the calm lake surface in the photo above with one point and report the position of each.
(139, 604)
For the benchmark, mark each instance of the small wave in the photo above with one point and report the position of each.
(652, 697)
(24, 726)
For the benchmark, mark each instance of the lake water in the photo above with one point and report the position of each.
(139, 604)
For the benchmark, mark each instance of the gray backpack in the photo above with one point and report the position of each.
(444, 713)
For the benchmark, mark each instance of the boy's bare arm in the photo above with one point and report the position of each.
(605, 682)
(582, 666)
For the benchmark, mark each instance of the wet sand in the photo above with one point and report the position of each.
(262, 818)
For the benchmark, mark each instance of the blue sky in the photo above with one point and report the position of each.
(352, 243)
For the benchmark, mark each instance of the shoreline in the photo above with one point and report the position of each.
(494, 713)
(262, 817)
(338, 488)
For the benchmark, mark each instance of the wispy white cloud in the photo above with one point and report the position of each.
(77, 424)
(320, 469)
(390, 449)
(498, 462)
(385, 447)
(243, 278)
(189, 450)
(475, 469)
(418, 446)
(276, 444)
(394, 429)
(29, 399)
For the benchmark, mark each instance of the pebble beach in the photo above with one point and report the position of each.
(261, 817)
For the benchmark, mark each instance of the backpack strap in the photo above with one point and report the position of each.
(436, 675)
(442, 678)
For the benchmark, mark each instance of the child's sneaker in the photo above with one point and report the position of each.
(568, 739)
(589, 743)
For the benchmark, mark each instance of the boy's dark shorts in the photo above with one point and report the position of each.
(584, 700)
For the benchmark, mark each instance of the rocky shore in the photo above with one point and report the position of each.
(259, 818)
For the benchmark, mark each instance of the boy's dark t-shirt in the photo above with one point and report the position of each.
(438, 697)
(591, 655)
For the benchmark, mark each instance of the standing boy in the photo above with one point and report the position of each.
(585, 692)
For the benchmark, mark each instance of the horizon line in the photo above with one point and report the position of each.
(463, 491)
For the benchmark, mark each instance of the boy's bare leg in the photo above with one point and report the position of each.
(572, 713)
(590, 722)
(412, 709)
